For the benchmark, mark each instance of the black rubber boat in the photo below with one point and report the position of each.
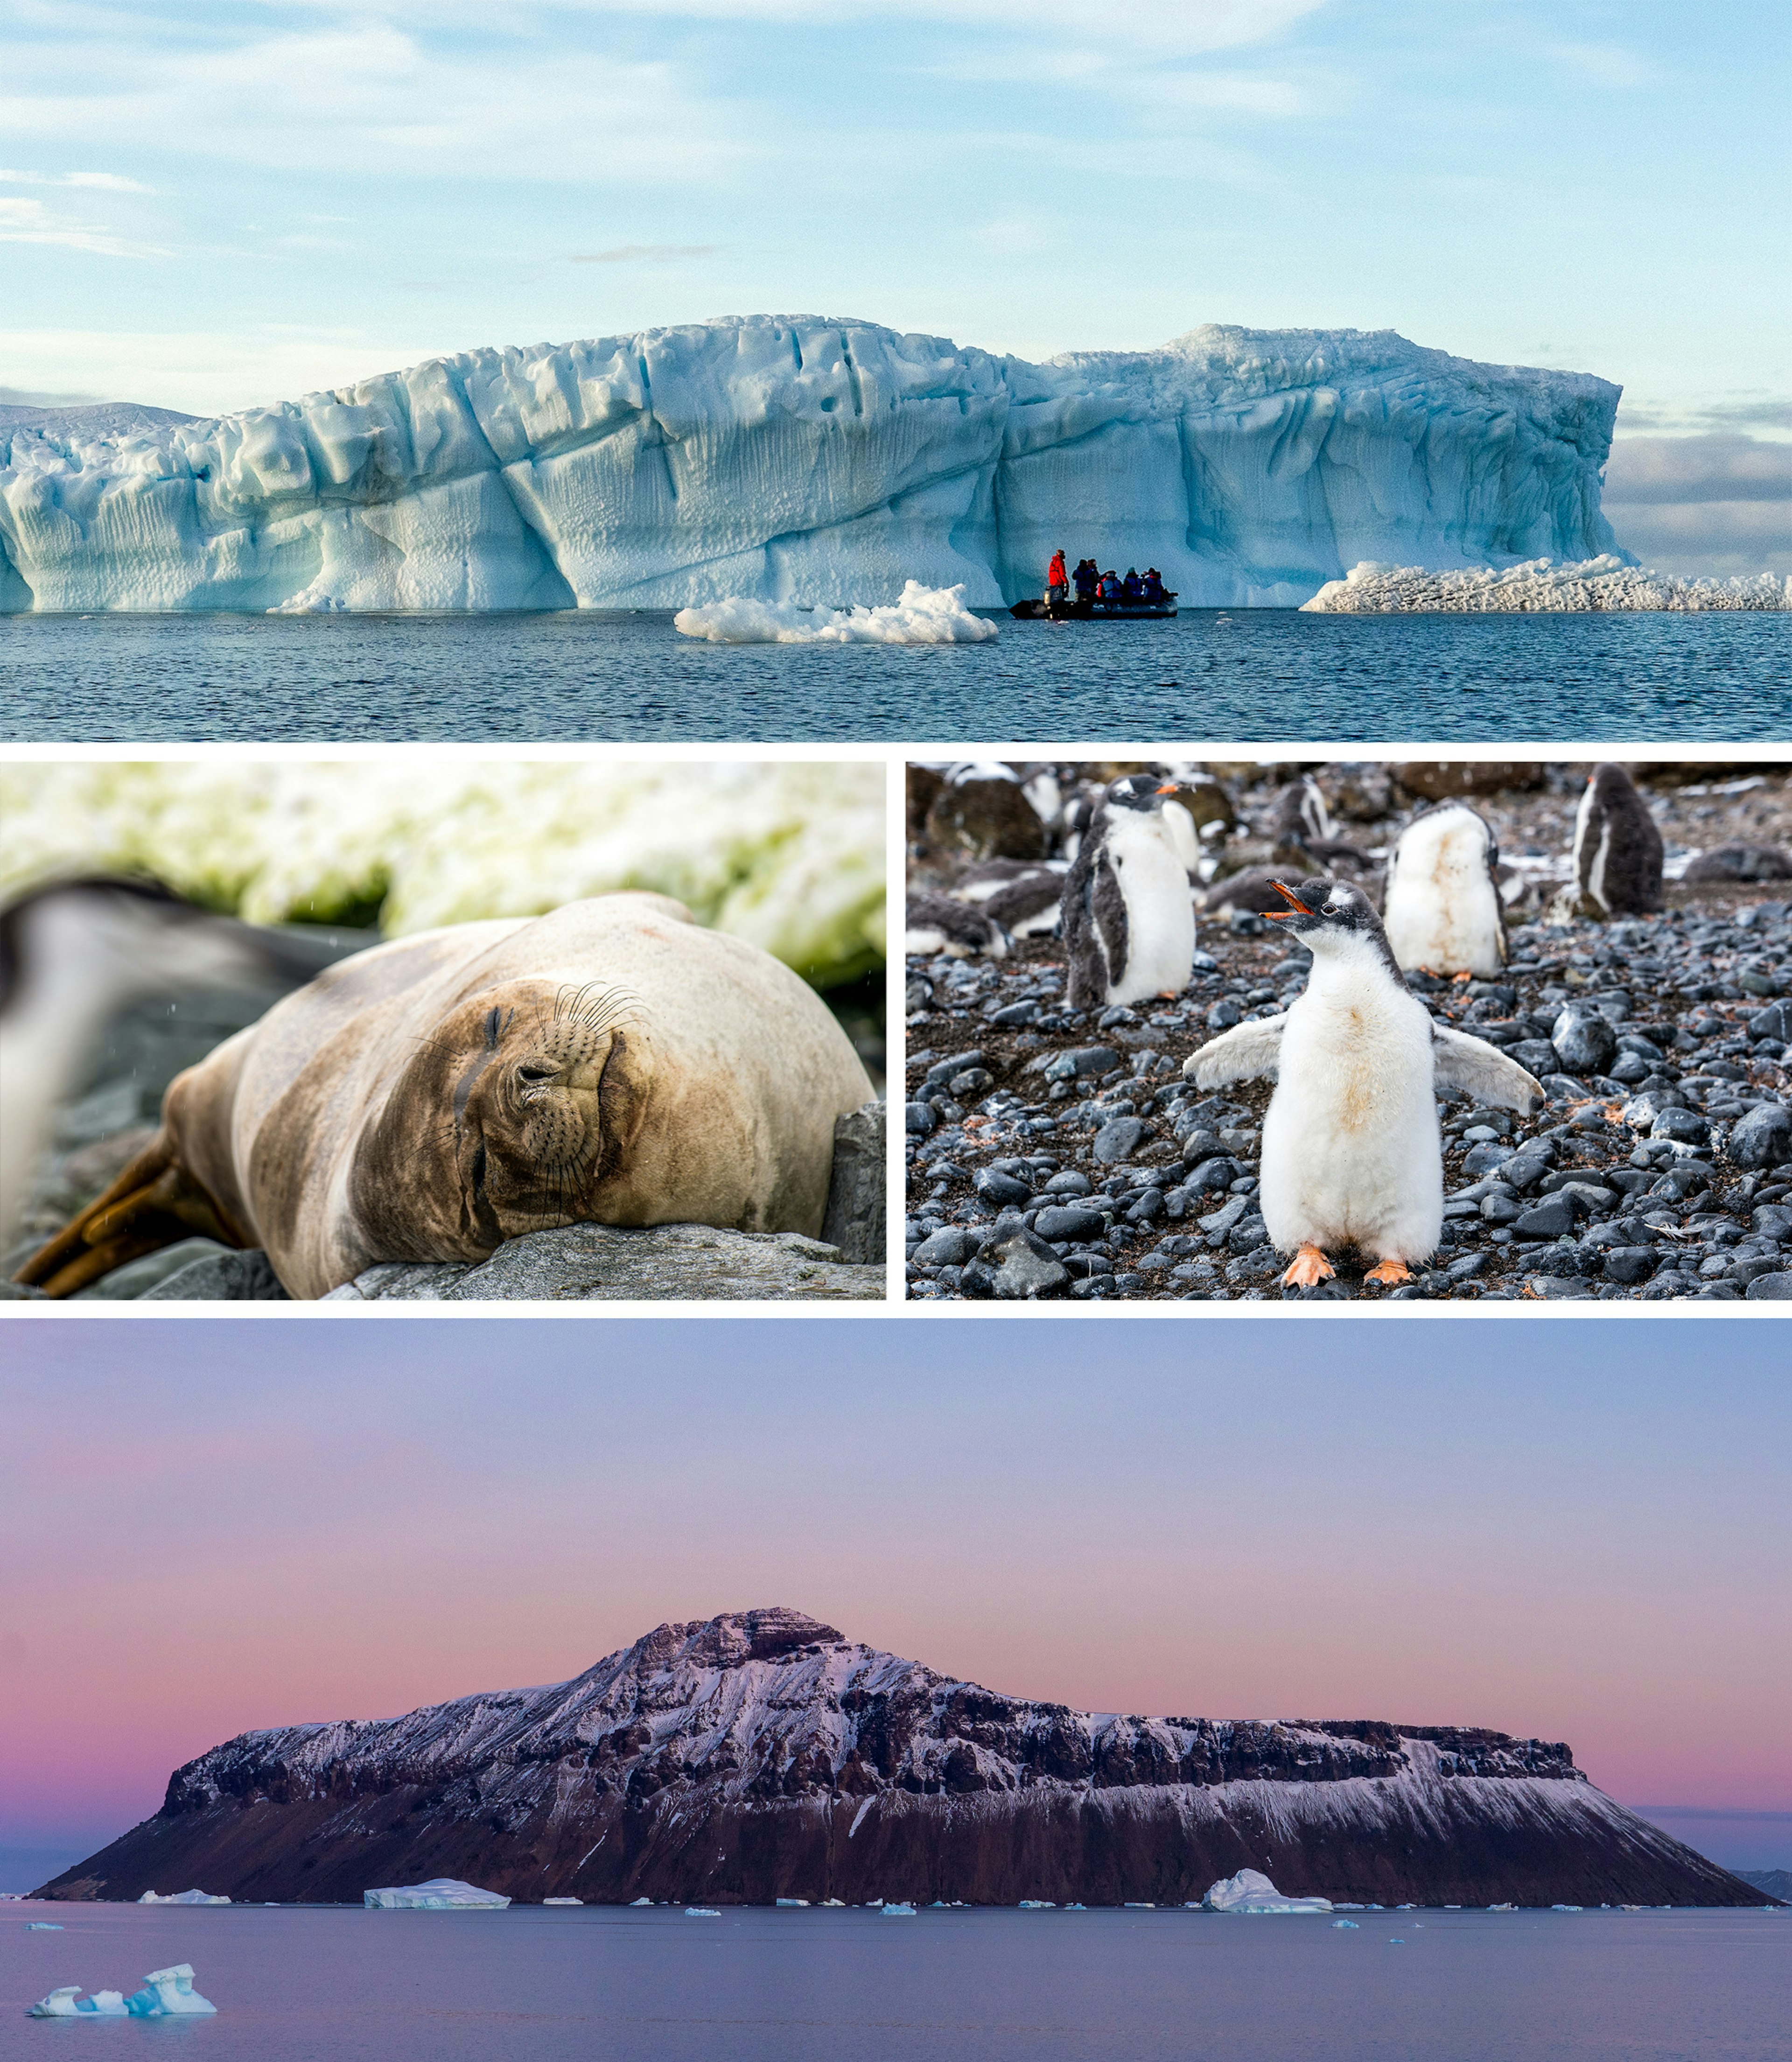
(1093, 611)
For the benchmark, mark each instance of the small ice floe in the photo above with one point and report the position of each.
(633, 1902)
(563, 1900)
(899, 1911)
(1251, 1892)
(923, 616)
(1075, 1907)
(167, 1994)
(1145, 1907)
(1502, 1907)
(43, 1926)
(793, 1904)
(182, 1897)
(833, 1904)
(1345, 1926)
(441, 1893)
(1564, 1908)
(1037, 1904)
(701, 1911)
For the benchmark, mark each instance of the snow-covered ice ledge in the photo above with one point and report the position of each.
(794, 459)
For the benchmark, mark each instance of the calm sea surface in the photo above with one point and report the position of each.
(334, 1985)
(1255, 675)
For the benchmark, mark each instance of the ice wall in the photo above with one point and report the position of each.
(791, 458)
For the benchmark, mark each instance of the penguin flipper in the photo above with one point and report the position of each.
(1459, 1062)
(1109, 912)
(1250, 1051)
(1087, 988)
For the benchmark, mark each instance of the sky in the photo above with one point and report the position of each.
(218, 204)
(1565, 1530)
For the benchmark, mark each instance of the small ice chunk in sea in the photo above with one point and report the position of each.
(923, 616)
(43, 1926)
(563, 1900)
(1252, 1891)
(701, 1911)
(182, 1897)
(899, 1911)
(167, 1994)
(441, 1893)
(1345, 1926)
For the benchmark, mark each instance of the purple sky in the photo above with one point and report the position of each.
(1568, 1529)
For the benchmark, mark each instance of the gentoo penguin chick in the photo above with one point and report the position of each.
(72, 952)
(1617, 849)
(1441, 909)
(1301, 816)
(1022, 899)
(938, 923)
(1128, 917)
(1352, 1152)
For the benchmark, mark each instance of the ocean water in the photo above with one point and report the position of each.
(1264, 675)
(330, 1984)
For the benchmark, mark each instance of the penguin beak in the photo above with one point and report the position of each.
(1169, 788)
(1295, 906)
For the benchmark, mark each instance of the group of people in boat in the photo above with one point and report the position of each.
(1137, 589)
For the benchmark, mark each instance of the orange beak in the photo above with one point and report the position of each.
(1295, 906)
(1169, 788)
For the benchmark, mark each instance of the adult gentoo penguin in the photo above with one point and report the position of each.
(74, 951)
(1441, 908)
(1617, 849)
(1127, 918)
(1352, 1153)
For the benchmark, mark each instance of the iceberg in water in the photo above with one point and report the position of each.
(1539, 587)
(42, 1926)
(182, 1897)
(899, 1911)
(1251, 1891)
(775, 458)
(167, 1994)
(441, 1893)
(922, 615)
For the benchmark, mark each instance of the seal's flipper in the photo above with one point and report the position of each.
(153, 1203)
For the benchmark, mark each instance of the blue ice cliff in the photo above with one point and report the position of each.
(786, 458)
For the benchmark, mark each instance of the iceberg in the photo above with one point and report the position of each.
(1345, 1926)
(182, 1897)
(441, 1893)
(167, 1994)
(1607, 584)
(922, 615)
(42, 1926)
(701, 1911)
(899, 1911)
(563, 1900)
(1251, 1891)
(781, 458)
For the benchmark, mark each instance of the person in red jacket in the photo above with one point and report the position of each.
(1057, 581)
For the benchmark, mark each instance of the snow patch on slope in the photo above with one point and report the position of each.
(1539, 586)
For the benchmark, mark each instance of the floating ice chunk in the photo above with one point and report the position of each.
(43, 1926)
(923, 616)
(1564, 1908)
(1539, 586)
(793, 1904)
(1251, 1891)
(1502, 1907)
(633, 1902)
(563, 1900)
(67, 2003)
(1037, 1904)
(1138, 1908)
(182, 1897)
(1345, 1926)
(701, 1911)
(899, 1911)
(441, 1893)
(833, 1904)
(168, 1994)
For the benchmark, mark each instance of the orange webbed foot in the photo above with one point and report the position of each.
(1309, 1268)
(1390, 1273)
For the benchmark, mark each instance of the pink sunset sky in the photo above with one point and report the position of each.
(1571, 1530)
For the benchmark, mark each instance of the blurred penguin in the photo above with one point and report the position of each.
(1442, 909)
(1128, 919)
(939, 924)
(1617, 849)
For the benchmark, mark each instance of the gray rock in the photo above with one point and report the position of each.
(999, 1189)
(1548, 1219)
(1585, 1042)
(1482, 1159)
(918, 1118)
(1763, 1138)
(1069, 1221)
(606, 1263)
(858, 1192)
(222, 1278)
(1024, 1267)
(1771, 1221)
(1536, 1056)
(1769, 1288)
(1092, 1060)
(1069, 1183)
(1773, 1022)
(137, 1277)
(1224, 1014)
(949, 1248)
(1118, 1139)
(1681, 1127)
(1554, 1288)
(1630, 1264)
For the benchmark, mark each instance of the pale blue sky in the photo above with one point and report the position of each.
(210, 205)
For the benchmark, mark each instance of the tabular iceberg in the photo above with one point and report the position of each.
(784, 458)
(183, 1897)
(441, 1893)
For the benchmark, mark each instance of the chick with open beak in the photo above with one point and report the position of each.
(1352, 1154)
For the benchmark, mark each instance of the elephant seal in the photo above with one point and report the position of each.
(612, 1063)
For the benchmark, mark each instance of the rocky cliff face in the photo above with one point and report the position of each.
(760, 1755)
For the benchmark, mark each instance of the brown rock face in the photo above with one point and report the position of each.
(759, 1755)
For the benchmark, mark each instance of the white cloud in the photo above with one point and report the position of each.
(110, 181)
(34, 221)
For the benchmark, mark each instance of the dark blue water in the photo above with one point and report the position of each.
(531, 1985)
(1262, 675)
